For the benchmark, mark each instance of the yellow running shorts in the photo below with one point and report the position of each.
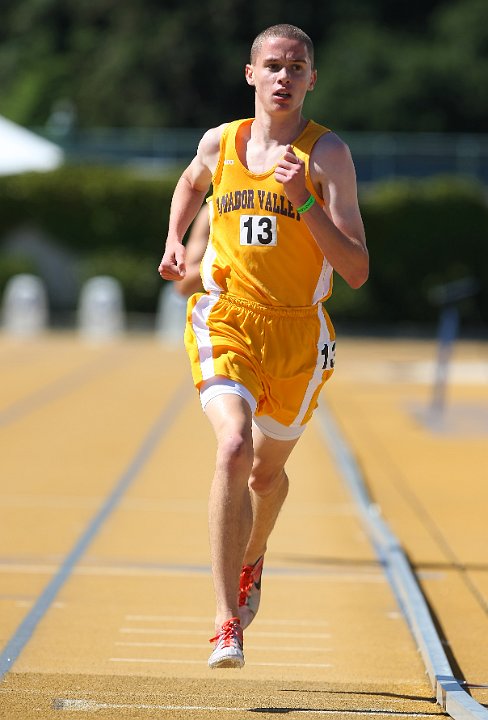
(282, 355)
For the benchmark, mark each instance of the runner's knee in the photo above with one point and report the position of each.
(265, 482)
(235, 452)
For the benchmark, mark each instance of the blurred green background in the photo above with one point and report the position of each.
(126, 88)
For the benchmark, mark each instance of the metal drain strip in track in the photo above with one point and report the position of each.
(449, 693)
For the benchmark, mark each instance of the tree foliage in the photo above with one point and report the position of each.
(407, 65)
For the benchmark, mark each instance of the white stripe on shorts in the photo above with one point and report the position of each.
(316, 379)
(199, 317)
(207, 263)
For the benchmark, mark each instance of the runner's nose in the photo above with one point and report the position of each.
(283, 76)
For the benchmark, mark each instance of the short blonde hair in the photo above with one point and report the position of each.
(290, 32)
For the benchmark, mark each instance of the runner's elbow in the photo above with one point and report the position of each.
(358, 275)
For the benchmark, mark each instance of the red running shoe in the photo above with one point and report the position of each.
(250, 592)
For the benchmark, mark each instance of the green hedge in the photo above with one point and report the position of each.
(88, 208)
(420, 234)
(425, 234)
(113, 221)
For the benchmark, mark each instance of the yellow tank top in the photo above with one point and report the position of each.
(259, 247)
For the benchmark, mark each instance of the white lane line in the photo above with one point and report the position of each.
(284, 648)
(180, 631)
(169, 618)
(196, 619)
(51, 501)
(163, 661)
(81, 704)
(303, 509)
(301, 575)
(41, 569)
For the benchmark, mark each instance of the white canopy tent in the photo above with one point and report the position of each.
(23, 151)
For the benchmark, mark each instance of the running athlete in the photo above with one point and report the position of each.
(283, 214)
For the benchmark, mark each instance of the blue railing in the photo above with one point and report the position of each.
(377, 156)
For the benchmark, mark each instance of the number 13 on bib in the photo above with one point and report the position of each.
(258, 230)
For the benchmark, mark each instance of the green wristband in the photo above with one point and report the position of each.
(306, 205)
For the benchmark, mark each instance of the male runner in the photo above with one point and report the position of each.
(283, 214)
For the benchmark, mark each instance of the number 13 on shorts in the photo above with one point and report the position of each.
(258, 230)
(329, 356)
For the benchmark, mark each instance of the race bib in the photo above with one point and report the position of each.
(258, 230)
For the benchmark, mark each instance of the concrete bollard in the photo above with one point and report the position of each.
(25, 306)
(101, 312)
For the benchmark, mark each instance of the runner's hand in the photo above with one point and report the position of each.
(172, 265)
(290, 171)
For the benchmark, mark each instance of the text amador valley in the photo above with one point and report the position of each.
(255, 200)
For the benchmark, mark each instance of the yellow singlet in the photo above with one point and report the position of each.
(259, 247)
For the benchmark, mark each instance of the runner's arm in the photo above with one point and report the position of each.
(337, 227)
(188, 196)
(195, 249)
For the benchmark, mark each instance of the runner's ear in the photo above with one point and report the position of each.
(249, 73)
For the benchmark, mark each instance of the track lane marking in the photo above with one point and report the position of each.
(199, 620)
(165, 661)
(24, 631)
(291, 573)
(449, 691)
(81, 704)
(183, 631)
(60, 386)
(195, 646)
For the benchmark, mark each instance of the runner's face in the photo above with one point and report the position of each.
(281, 74)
